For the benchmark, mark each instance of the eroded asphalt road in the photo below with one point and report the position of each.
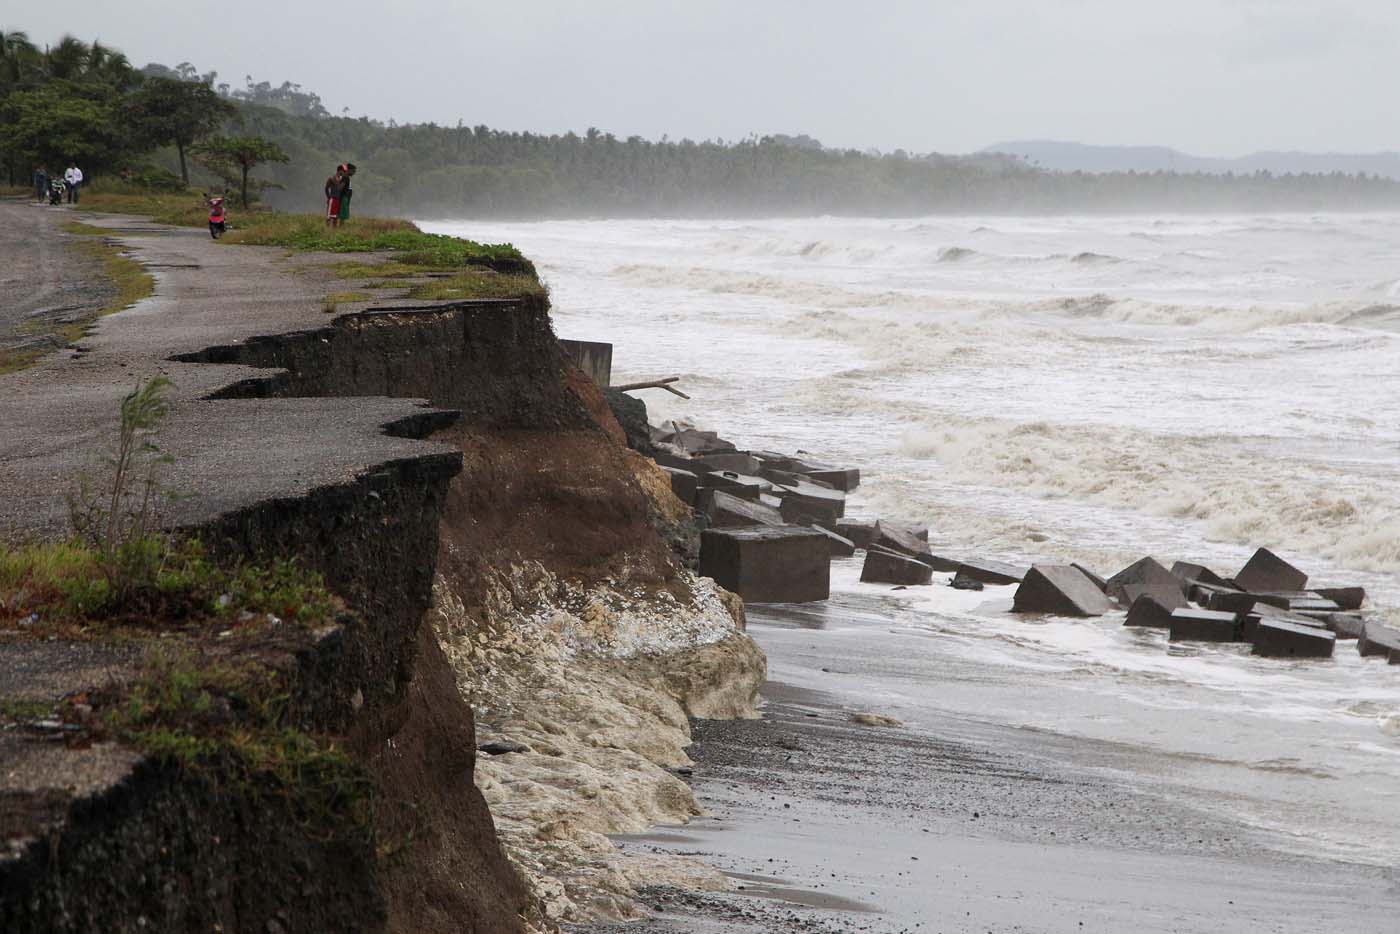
(45, 283)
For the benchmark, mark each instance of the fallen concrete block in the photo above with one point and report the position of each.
(1262, 611)
(1200, 592)
(1279, 638)
(918, 531)
(961, 581)
(669, 456)
(889, 567)
(727, 511)
(824, 505)
(841, 478)
(1193, 625)
(1059, 589)
(1266, 572)
(1146, 576)
(841, 547)
(940, 562)
(683, 484)
(1099, 582)
(859, 531)
(695, 442)
(592, 357)
(768, 564)
(732, 461)
(788, 478)
(744, 485)
(1146, 611)
(895, 538)
(1188, 572)
(993, 572)
(1346, 625)
(1231, 601)
(1348, 598)
(1376, 639)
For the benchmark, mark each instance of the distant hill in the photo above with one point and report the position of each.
(1070, 157)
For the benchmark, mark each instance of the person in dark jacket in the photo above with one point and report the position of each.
(41, 184)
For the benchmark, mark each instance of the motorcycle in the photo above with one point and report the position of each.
(218, 217)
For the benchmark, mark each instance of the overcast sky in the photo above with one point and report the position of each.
(1213, 77)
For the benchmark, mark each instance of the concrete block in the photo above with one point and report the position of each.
(768, 564)
(1279, 638)
(993, 572)
(1061, 590)
(695, 442)
(1262, 611)
(823, 504)
(1146, 611)
(841, 478)
(1231, 601)
(898, 539)
(940, 562)
(592, 357)
(1099, 582)
(683, 484)
(859, 531)
(1187, 571)
(1348, 598)
(1376, 639)
(1189, 624)
(889, 567)
(787, 477)
(841, 547)
(1346, 625)
(918, 531)
(731, 461)
(771, 501)
(742, 485)
(1266, 572)
(727, 511)
(1199, 592)
(1146, 576)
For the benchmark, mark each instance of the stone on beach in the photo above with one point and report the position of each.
(1146, 611)
(996, 573)
(1193, 625)
(768, 564)
(1266, 572)
(961, 581)
(860, 531)
(729, 511)
(1376, 639)
(889, 567)
(1059, 589)
(1146, 576)
(1281, 639)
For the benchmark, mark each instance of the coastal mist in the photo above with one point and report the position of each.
(1094, 389)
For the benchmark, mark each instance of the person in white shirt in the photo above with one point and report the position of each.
(73, 178)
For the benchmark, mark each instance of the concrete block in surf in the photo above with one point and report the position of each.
(1279, 638)
(996, 573)
(1193, 625)
(768, 564)
(727, 511)
(1146, 576)
(1376, 639)
(1146, 611)
(890, 567)
(1061, 590)
(1266, 572)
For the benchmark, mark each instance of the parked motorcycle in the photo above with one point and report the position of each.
(218, 217)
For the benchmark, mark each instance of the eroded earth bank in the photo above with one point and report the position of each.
(512, 577)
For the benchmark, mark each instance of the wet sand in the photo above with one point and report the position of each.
(830, 825)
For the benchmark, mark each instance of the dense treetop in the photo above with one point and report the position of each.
(86, 102)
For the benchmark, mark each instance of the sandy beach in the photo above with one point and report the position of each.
(827, 824)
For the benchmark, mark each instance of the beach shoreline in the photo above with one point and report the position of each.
(823, 823)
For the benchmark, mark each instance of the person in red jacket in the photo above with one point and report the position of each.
(333, 189)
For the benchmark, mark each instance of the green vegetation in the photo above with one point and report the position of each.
(233, 157)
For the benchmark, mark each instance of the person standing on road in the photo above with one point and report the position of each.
(73, 178)
(41, 184)
(347, 171)
(333, 184)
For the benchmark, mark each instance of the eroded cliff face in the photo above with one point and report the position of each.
(529, 565)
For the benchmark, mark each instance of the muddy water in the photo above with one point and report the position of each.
(1088, 388)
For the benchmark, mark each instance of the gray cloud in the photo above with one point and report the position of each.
(1217, 77)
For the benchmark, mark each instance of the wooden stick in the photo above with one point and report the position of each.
(654, 384)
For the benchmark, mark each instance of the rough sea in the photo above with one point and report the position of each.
(1086, 388)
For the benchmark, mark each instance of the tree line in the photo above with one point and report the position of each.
(87, 102)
